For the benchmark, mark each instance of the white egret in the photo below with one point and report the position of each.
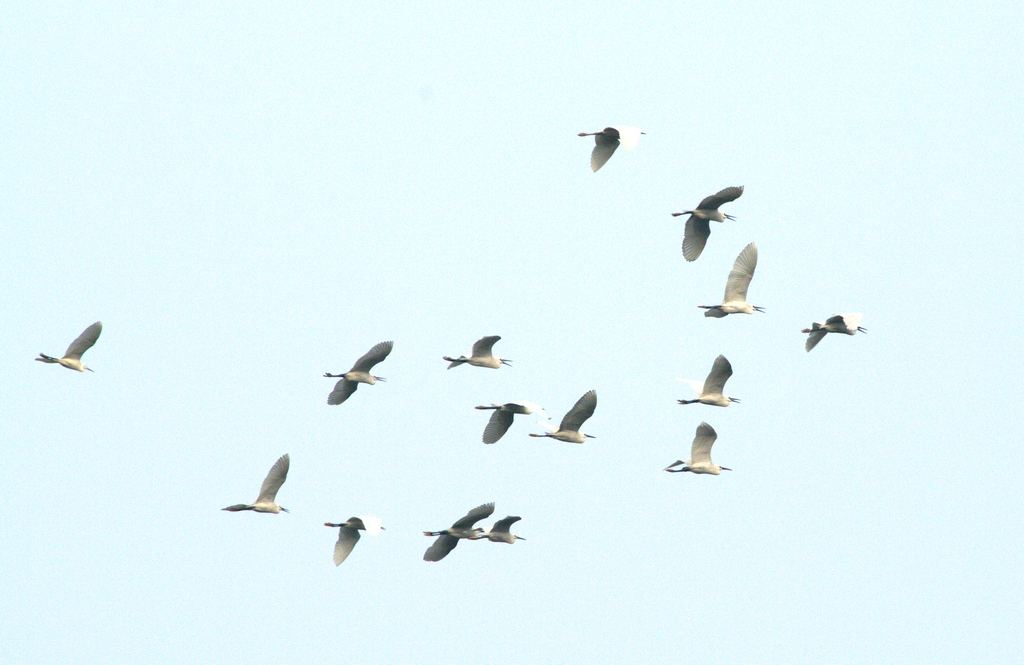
(700, 454)
(266, 501)
(482, 356)
(712, 394)
(569, 429)
(697, 227)
(501, 419)
(847, 324)
(499, 532)
(73, 356)
(348, 535)
(360, 373)
(608, 140)
(735, 300)
(447, 539)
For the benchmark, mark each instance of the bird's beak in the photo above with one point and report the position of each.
(329, 524)
(730, 217)
(90, 369)
(734, 399)
(285, 510)
(725, 468)
(590, 436)
(520, 538)
(863, 330)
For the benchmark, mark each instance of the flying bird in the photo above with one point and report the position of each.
(700, 454)
(608, 140)
(447, 539)
(501, 419)
(735, 300)
(569, 429)
(482, 356)
(348, 535)
(73, 356)
(499, 532)
(697, 227)
(847, 324)
(266, 501)
(360, 373)
(712, 394)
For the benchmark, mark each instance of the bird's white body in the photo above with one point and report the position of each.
(700, 454)
(481, 355)
(72, 358)
(735, 299)
(569, 429)
(846, 324)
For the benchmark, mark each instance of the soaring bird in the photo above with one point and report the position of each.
(266, 501)
(847, 324)
(447, 539)
(700, 454)
(697, 227)
(348, 535)
(501, 419)
(499, 532)
(569, 429)
(360, 373)
(482, 356)
(735, 300)
(712, 394)
(73, 356)
(608, 140)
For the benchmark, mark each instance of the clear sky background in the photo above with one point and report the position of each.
(251, 194)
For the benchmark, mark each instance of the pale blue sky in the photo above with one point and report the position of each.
(250, 194)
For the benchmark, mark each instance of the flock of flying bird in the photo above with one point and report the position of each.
(696, 235)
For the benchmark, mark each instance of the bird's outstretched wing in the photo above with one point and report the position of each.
(741, 274)
(482, 347)
(814, 337)
(378, 353)
(604, 147)
(503, 525)
(474, 516)
(578, 414)
(347, 539)
(725, 196)
(695, 237)
(700, 452)
(343, 389)
(84, 341)
(275, 478)
(720, 372)
(441, 547)
(499, 423)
